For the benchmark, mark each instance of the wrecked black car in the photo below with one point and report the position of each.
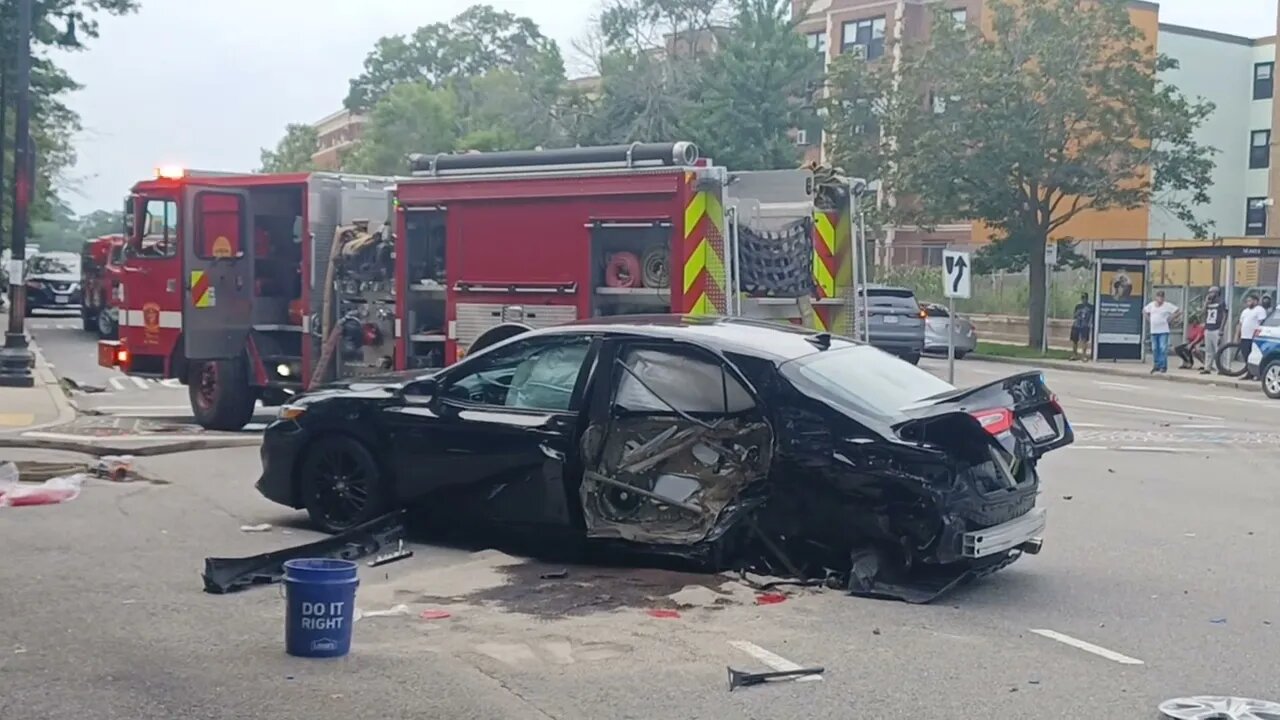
(734, 443)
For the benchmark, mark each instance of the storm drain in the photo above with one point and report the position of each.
(1215, 707)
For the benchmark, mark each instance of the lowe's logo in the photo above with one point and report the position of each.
(324, 644)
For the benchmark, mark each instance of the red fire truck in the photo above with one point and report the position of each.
(254, 287)
(100, 271)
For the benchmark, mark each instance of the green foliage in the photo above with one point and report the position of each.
(60, 229)
(293, 152)
(53, 124)
(1056, 112)
(476, 42)
(412, 118)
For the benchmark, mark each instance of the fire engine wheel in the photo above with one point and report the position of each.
(221, 398)
(106, 325)
(340, 484)
(90, 320)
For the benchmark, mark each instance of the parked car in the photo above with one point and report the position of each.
(690, 438)
(1264, 357)
(53, 281)
(938, 322)
(896, 322)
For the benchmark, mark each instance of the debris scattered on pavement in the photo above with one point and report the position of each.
(1068, 497)
(695, 596)
(555, 575)
(396, 611)
(1219, 621)
(19, 650)
(224, 575)
(53, 491)
(770, 598)
(396, 555)
(1188, 534)
(435, 615)
(741, 678)
(117, 468)
(663, 614)
(875, 631)
(264, 527)
(1221, 707)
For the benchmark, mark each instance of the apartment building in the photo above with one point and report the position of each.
(336, 134)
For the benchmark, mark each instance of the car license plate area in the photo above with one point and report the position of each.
(1038, 427)
(61, 299)
(890, 319)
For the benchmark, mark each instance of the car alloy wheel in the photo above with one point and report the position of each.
(1271, 380)
(340, 483)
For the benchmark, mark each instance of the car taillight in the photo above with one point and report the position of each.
(923, 314)
(995, 421)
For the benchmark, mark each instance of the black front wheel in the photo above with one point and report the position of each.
(340, 484)
(89, 319)
(107, 327)
(221, 398)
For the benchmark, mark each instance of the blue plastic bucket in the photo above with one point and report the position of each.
(320, 602)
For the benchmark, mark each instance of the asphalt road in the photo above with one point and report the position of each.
(1156, 580)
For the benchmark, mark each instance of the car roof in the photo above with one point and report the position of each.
(771, 341)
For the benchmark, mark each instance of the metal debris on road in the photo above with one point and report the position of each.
(740, 678)
(394, 556)
(1219, 707)
(264, 527)
(555, 575)
(224, 575)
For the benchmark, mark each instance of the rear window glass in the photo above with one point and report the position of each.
(892, 298)
(864, 380)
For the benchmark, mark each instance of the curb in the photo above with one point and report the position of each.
(55, 441)
(1094, 368)
(45, 376)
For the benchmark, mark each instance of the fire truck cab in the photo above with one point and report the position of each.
(223, 278)
(101, 261)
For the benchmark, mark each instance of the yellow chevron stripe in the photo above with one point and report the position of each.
(702, 306)
(826, 233)
(696, 264)
(693, 212)
(715, 210)
(818, 324)
(715, 267)
(823, 276)
(206, 299)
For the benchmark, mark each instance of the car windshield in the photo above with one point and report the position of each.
(863, 379)
(54, 265)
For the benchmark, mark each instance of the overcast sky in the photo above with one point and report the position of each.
(206, 83)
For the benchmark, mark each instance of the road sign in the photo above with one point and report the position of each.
(1050, 254)
(957, 267)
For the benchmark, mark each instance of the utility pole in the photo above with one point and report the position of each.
(16, 359)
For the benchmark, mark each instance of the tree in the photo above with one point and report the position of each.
(474, 43)
(412, 118)
(53, 124)
(293, 152)
(760, 83)
(1057, 111)
(100, 222)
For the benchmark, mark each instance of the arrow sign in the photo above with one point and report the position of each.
(957, 283)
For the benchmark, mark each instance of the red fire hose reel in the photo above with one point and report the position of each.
(622, 270)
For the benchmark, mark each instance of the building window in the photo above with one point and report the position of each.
(865, 37)
(1259, 149)
(817, 42)
(1264, 83)
(960, 17)
(1255, 217)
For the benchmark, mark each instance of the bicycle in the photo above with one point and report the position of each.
(1231, 362)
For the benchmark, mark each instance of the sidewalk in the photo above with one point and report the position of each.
(40, 406)
(1131, 369)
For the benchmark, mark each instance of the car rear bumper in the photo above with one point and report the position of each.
(282, 445)
(1004, 537)
(899, 345)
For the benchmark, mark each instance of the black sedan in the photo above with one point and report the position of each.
(53, 281)
(729, 442)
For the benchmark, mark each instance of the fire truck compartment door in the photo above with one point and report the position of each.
(217, 272)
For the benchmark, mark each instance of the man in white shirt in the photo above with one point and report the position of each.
(1251, 318)
(1159, 313)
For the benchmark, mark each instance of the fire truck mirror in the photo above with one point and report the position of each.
(128, 217)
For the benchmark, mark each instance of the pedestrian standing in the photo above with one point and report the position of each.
(1187, 350)
(1251, 319)
(1215, 321)
(1159, 313)
(1082, 328)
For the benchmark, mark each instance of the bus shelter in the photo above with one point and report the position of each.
(1124, 283)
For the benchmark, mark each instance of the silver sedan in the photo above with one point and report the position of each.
(938, 322)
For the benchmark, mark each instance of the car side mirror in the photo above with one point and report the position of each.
(422, 389)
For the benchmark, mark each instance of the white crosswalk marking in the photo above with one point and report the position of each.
(117, 383)
(141, 383)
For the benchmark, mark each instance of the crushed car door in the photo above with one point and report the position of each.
(217, 306)
(675, 440)
(505, 420)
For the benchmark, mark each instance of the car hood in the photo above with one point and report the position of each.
(367, 386)
(54, 277)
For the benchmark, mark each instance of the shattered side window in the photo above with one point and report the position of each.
(535, 375)
(661, 381)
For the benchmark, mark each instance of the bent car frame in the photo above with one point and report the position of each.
(731, 443)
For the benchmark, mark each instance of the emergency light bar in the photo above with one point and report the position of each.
(170, 172)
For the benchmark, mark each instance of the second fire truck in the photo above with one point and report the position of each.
(256, 287)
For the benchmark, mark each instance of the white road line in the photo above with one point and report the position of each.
(1122, 386)
(1140, 408)
(1153, 448)
(1201, 427)
(774, 661)
(1086, 425)
(1088, 647)
(1087, 447)
(117, 383)
(171, 383)
(141, 408)
(140, 382)
(1251, 401)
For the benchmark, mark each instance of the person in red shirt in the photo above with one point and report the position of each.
(1195, 338)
